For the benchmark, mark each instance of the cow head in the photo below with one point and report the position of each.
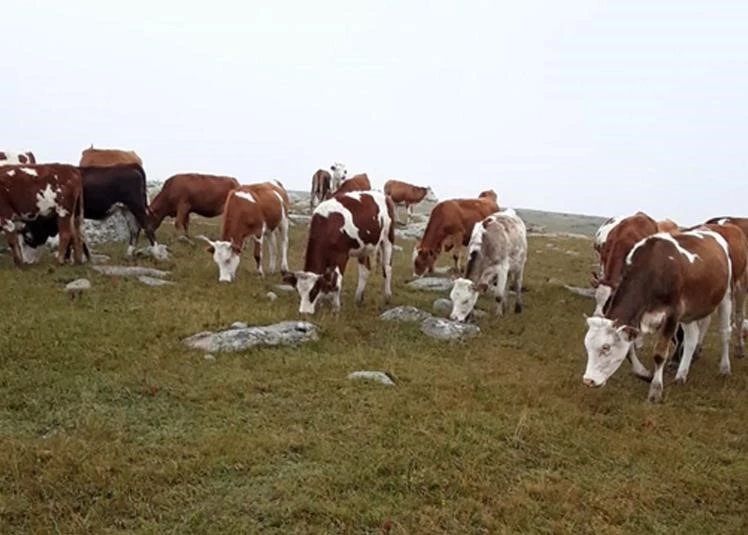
(423, 261)
(430, 196)
(226, 255)
(607, 345)
(339, 172)
(315, 287)
(464, 295)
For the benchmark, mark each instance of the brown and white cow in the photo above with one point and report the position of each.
(186, 193)
(92, 157)
(669, 279)
(496, 257)
(251, 211)
(740, 222)
(358, 182)
(407, 194)
(31, 191)
(323, 182)
(449, 227)
(354, 224)
(12, 158)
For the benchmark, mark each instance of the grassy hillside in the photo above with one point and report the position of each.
(108, 424)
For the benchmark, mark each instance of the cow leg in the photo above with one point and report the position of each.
(637, 368)
(258, 254)
(386, 253)
(502, 276)
(182, 221)
(725, 330)
(284, 241)
(272, 249)
(662, 352)
(65, 232)
(519, 304)
(705, 323)
(691, 333)
(364, 265)
(75, 230)
(738, 316)
(15, 248)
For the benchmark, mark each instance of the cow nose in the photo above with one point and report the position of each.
(588, 382)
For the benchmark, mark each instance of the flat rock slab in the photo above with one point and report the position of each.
(152, 281)
(432, 284)
(130, 271)
(584, 292)
(443, 329)
(404, 313)
(379, 377)
(78, 285)
(444, 306)
(239, 339)
(284, 288)
(299, 219)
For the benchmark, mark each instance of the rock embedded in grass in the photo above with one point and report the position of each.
(130, 271)
(78, 285)
(433, 284)
(239, 339)
(404, 313)
(152, 281)
(444, 329)
(380, 377)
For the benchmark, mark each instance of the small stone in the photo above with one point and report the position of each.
(238, 325)
(208, 356)
(272, 296)
(404, 313)
(152, 281)
(380, 377)
(433, 284)
(285, 288)
(78, 285)
(443, 329)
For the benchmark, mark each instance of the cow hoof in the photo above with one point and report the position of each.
(725, 371)
(681, 380)
(655, 393)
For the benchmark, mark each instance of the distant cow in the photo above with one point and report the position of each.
(185, 193)
(12, 158)
(407, 194)
(669, 279)
(497, 253)
(358, 182)
(449, 228)
(354, 224)
(28, 192)
(256, 211)
(323, 182)
(92, 157)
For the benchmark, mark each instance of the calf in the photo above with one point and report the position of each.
(12, 158)
(496, 256)
(669, 279)
(92, 157)
(323, 182)
(185, 193)
(255, 211)
(449, 227)
(358, 182)
(28, 192)
(106, 190)
(354, 224)
(407, 194)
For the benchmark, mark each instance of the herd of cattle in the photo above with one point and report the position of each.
(653, 278)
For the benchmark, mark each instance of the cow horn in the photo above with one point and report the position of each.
(204, 238)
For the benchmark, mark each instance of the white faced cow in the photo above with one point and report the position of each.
(353, 224)
(668, 279)
(497, 253)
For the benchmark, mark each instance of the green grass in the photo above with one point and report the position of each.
(109, 424)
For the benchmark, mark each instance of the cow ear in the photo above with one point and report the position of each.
(210, 249)
(236, 248)
(289, 277)
(481, 287)
(627, 333)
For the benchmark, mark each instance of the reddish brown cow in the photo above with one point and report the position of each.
(11, 158)
(670, 279)
(323, 183)
(358, 182)
(185, 193)
(407, 194)
(31, 191)
(740, 222)
(667, 225)
(619, 241)
(92, 157)
(354, 224)
(256, 211)
(449, 227)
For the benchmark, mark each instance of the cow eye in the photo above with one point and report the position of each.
(606, 348)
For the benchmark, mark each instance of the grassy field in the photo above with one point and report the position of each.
(109, 424)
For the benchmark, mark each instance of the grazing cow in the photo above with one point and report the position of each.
(602, 232)
(449, 227)
(619, 241)
(740, 222)
(354, 224)
(496, 256)
(323, 182)
(669, 279)
(407, 194)
(185, 193)
(255, 211)
(106, 190)
(92, 157)
(12, 158)
(358, 182)
(28, 192)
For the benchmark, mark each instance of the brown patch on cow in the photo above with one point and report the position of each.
(106, 157)
(620, 240)
(358, 182)
(321, 184)
(3, 156)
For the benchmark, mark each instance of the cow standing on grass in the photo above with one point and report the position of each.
(185, 193)
(497, 253)
(408, 195)
(28, 192)
(449, 228)
(323, 182)
(668, 279)
(252, 211)
(354, 224)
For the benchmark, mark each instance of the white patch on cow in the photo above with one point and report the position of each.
(280, 198)
(12, 172)
(723, 221)
(29, 171)
(691, 257)
(651, 321)
(602, 233)
(46, 200)
(606, 347)
(247, 196)
(8, 226)
(463, 295)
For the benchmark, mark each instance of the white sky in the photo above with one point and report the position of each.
(575, 106)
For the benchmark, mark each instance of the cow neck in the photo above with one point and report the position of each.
(317, 257)
(629, 301)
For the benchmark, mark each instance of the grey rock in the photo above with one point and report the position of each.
(442, 305)
(411, 232)
(78, 285)
(97, 258)
(283, 333)
(285, 288)
(404, 313)
(208, 356)
(434, 284)
(272, 296)
(380, 377)
(130, 271)
(299, 219)
(397, 247)
(113, 228)
(152, 281)
(444, 329)
(238, 325)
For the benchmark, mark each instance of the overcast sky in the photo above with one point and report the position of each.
(576, 106)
